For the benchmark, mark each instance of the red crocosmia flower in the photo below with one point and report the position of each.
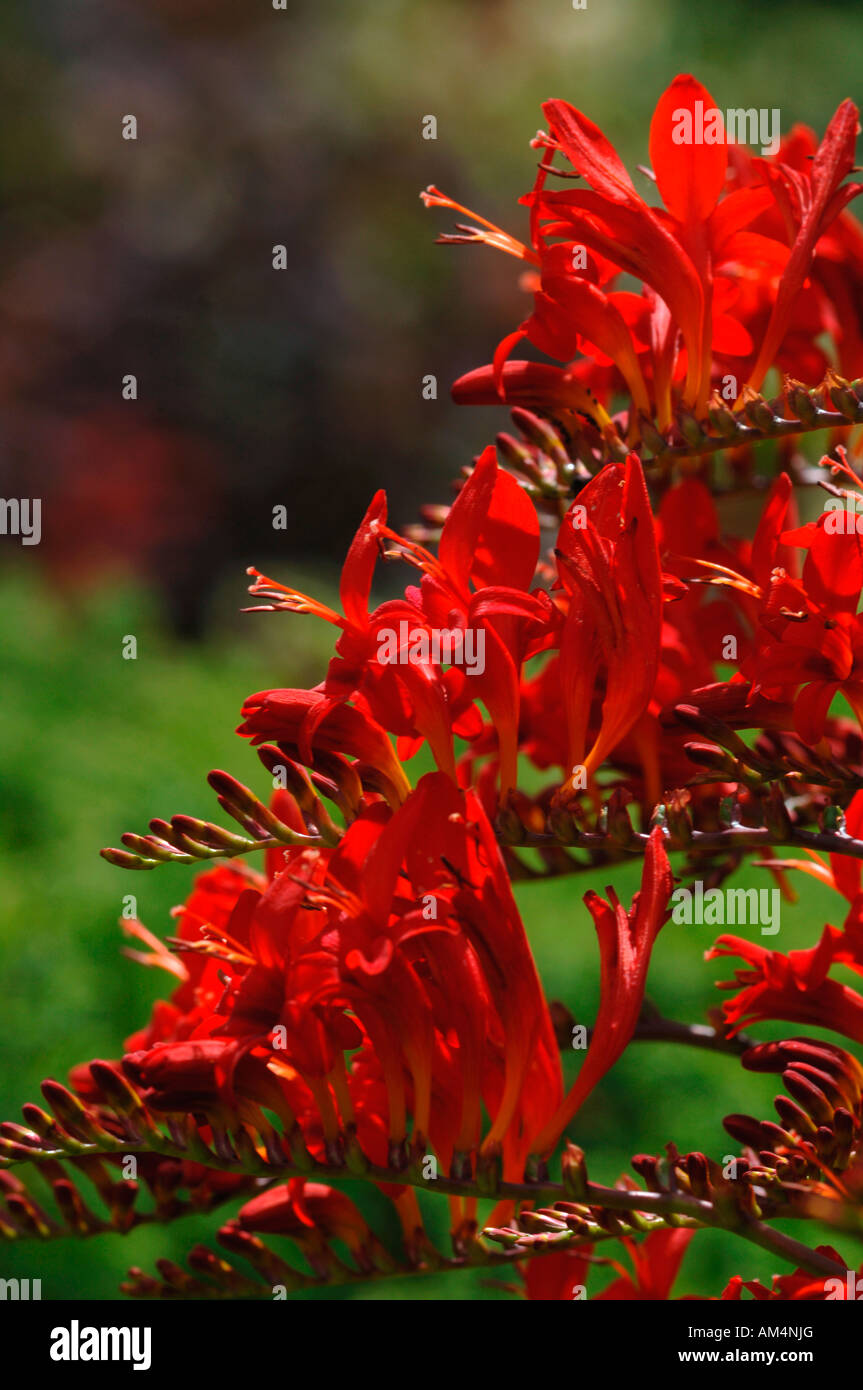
(540, 386)
(411, 694)
(376, 976)
(689, 529)
(810, 204)
(799, 1286)
(723, 597)
(305, 1210)
(838, 271)
(476, 591)
(808, 640)
(829, 300)
(572, 315)
(190, 1010)
(208, 1077)
(480, 581)
(689, 539)
(406, 697)
(717, 273)
(531, 1089)
(712, 229)
(612, 218)
(456, 860)
(190, 1015)
(656, 1262)
(523, 1090)
(312, 966)
(312, 1214)
(554, 1278)
(302, 722)
(608, 563)
(210, 905)
(797, 987)
(625, 945)
(819, 645)
(769, 550)
(385, 980)
(696, 625)
(811, 638)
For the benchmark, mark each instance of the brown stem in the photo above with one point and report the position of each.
(780, 428)
(693, 1035)
(661, 1204)
(733, 838)
(790, 1249)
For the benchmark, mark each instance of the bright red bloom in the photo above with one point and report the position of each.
(554, 1278)
(625, 945)
(480, 580)
(656, 1262)
(404, 950)
(604, 614)
(715, 265)
(305, 1210)
(609, 567)
(800, 1286)
(476, 589)
(797, 987)
(810, 202)
(306, 724)
(676, 256)
(808, 638)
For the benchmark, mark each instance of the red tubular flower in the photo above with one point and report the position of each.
(305, 1210)
(614, 220)
(403, 947)
(554, 1278)
(808, 638)
(305, 721)
(714, 264)
(531, 1088)
(208, 1077)
(810, 204)
(480, 580)
(571, 314)
(476, 586)
(609, 566)
(796, 987)
(820, 644)
(405, 697)
(799, 1286)
(313, 1215)
(656, 1262)
(694, 631)
(625, 945)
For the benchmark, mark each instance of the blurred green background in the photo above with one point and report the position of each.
(301, 388)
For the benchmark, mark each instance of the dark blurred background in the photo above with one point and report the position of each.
(303, 128)
(260, 388)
